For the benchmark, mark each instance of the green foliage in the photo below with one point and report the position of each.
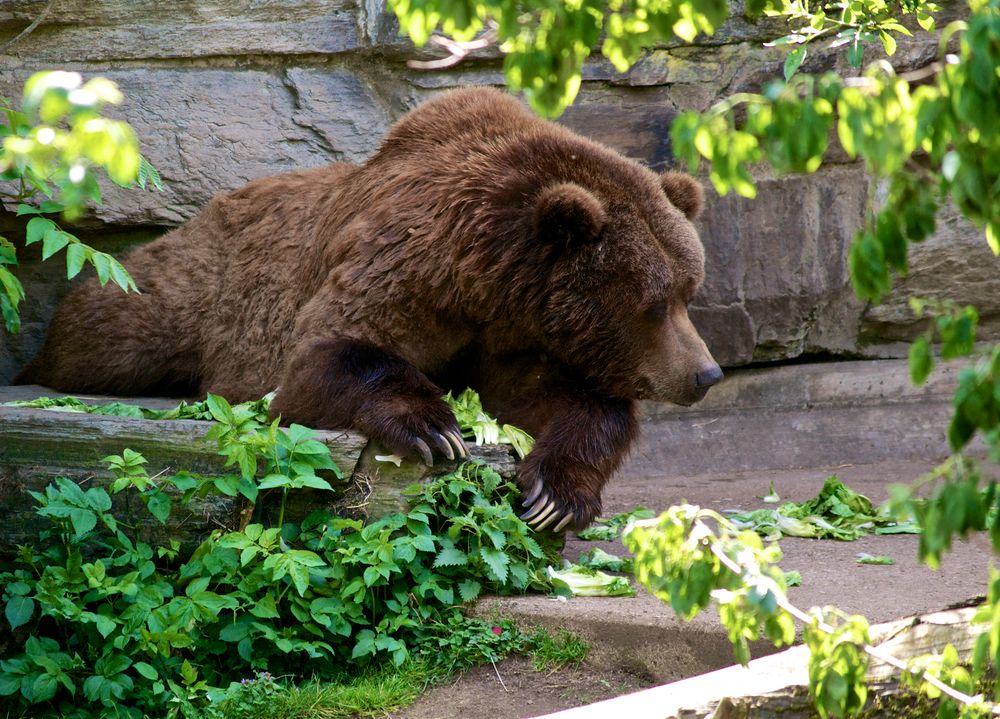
(184, 410)
(53, 148)
(837, 664)
(545, 42)
(680, 560)
(928, 143)
(106, 624)
(960, 502)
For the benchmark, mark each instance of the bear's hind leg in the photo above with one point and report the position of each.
(103, 341)
(336, 384)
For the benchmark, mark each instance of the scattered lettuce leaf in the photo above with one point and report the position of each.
(184, 410)
(577, 581)
(476, 423)
(909, 527)
(864, 558)
(793, 579)
(837, 512)
(597, 558)
(772, 496)
(609, 529)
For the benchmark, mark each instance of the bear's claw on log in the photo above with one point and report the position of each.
(425, 451)
(443, 445)
(458, 443)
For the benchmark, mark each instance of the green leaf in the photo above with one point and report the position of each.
(101, 263)
(920, 360)
(450, 556)
(146, 670)
(159, 506)
(53, 241)
(497, 561)
(37, 229)
(469, 590)
(793, 61)
(19, 611)
(855, 53)
(888, 43)
(105, 625)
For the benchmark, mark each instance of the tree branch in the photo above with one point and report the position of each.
(457, 51)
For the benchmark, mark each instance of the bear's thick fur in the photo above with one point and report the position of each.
(479, 246)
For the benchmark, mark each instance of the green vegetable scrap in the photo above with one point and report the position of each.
(597, 558)
(475, 422)
(793, 579)
(864, 558)
(184, 410)
(609, 529)
(576, 581)
(837, 512)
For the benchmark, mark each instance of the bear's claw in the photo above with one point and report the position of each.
(458, 443)
(443, 445)
(533, 494)
(562, 524)
(425, 451)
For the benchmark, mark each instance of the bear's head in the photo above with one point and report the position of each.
(627, 263)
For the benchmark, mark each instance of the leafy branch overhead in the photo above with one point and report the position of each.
(52, 151)
(546, 42)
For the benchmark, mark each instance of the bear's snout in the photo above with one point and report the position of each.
(708, 376)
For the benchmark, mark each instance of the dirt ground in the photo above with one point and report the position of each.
(514, 690)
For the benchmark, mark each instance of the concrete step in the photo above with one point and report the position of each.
(798, 416)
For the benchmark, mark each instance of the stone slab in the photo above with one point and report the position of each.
(101, 30)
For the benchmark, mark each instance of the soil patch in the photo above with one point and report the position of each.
(523, 691)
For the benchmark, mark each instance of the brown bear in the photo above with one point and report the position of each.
(479, 246)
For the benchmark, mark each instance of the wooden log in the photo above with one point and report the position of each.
(776, 686)
(38, 445)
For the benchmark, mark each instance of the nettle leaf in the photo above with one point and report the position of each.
(497, 561)
(469, 590)
(450, 556)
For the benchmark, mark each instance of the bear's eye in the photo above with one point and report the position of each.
(656, 312)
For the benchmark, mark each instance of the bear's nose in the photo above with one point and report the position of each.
(708, 376)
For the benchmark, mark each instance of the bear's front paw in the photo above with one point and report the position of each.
(557, 500)
(415, 431)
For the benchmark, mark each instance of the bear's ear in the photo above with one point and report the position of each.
(568, 213)
(684, 192)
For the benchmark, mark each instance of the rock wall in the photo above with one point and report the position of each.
(224, 91)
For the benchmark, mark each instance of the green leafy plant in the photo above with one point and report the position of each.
(52, 149)
(107, 624)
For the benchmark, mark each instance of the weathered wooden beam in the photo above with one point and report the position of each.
(38, 445)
